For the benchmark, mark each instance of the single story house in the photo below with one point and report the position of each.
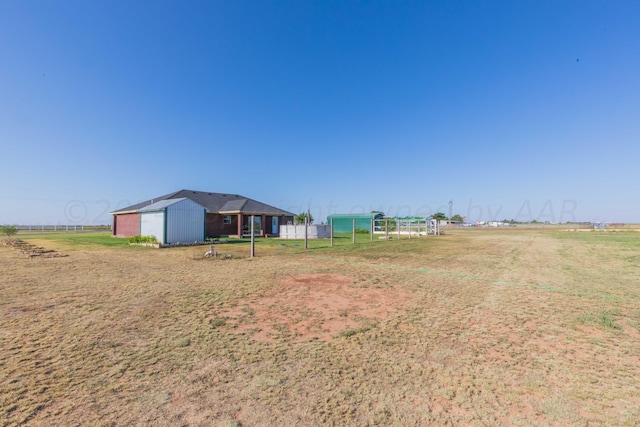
(224, 215)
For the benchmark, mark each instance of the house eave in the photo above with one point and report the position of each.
(251, 213)
(122, 212)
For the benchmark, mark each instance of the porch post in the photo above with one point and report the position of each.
(239, 225)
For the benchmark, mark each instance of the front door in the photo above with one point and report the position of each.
(274, 225)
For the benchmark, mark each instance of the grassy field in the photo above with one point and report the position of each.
(475, 327)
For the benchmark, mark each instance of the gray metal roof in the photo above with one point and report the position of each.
(213, 202)
(157, 206)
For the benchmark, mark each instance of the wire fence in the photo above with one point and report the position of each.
(382, 229)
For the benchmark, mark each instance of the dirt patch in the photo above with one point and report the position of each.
(316, 306)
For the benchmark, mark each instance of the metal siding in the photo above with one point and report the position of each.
(343, 223)
(185, 222)
(152, 224)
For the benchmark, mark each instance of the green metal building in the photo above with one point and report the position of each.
(343, 223)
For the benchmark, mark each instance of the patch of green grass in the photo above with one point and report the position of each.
(620, 238)
(353, 331)
(218, 322)
(81, 239)
(605, 318)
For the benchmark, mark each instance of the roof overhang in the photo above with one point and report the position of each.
(122, 212)
(252, 213)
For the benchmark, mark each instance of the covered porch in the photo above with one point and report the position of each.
(263, 225)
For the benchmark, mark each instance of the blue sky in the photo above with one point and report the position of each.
(524, 110)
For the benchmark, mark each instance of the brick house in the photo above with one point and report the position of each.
(226, 215)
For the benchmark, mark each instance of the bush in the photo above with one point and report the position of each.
(143, 239)
(361, 231)
(9, 230)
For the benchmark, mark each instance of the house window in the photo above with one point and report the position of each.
(227, 219)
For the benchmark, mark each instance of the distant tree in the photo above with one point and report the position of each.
(300, 218)
(457, 218)
(439, 216)
(9, 230)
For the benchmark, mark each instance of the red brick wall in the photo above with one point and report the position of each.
(126, 225)
(215, 226)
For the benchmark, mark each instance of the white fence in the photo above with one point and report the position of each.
(314, 231)
(410, 227)
(65, 228)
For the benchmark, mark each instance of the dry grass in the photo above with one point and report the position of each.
(477, 327)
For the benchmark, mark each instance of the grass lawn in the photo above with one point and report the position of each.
(475, 327)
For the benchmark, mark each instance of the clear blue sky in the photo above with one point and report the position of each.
(524, 110)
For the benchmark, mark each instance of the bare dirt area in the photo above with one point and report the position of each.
(315, 306)
(504, 328)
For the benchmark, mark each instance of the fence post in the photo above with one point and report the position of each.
(372, 227)
(331, 230)
(253, 237)
(398, 229)
(306, 232)
(353, 222)
(386, 228)
(409, 228)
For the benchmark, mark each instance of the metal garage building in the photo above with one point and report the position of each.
(173, 221)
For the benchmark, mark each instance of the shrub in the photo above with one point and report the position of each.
(143, 239)
(9, 230)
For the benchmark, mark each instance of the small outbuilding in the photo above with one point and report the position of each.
(343, 223)
(173, 221)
